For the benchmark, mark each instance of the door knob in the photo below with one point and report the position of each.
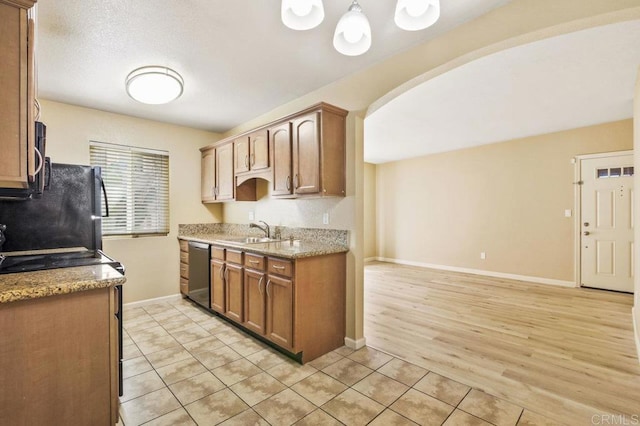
(586, 233)
(586, 224)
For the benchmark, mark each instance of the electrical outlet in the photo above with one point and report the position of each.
(252, 216)
(325, 219)
(567, 213)
(483, 255)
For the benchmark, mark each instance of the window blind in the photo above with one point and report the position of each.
(137, 186)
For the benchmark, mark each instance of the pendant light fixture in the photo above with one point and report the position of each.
(414, 15)
(154, 85)
(302, 14)
(353, 32)
(352, 36)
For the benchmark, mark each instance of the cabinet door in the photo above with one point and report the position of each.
(242, 160)
(280, 311)
(13, 102)
(280, 137)
(208, 175)
(233, 277)
(254, 300)
(224, 172)
(259, 150)
(306, 154)
(217, 286)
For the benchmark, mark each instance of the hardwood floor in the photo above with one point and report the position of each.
(566, 353)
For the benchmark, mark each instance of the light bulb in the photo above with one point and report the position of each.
(301, 7)
(416, 8)
(352, 32)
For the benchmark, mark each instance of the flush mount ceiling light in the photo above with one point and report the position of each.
(302, 14)
(353, 32)
(154, 85)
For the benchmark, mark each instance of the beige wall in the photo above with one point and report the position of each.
(370, 215)
(152, 262)
(506, 199)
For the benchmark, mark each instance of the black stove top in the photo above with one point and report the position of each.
(38, 262)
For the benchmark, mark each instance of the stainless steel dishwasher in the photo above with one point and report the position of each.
(199, 258)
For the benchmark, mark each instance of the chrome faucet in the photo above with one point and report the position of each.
(265, 228)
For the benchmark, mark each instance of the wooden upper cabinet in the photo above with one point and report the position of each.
(17, 100)
(252, 152)
(302, 155)
(280, 138)
(224, 172)
(208, 175)
(306, 154)
(259, 150)
(241, 148)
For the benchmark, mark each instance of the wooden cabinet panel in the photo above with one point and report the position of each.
(184, 270)
(225, 182)
(208, 175)
(280, 311)
(184, 245)
(233, 275)
(184, 257)
(234, 256)
(218, 253)
(280, 267)
(241, 148)
(66, 371)
(13, 102)
(184, 286)
(306, 154)
(259, 150)
(217, 287)
(254, 261)
(280, 137)
(254, 301)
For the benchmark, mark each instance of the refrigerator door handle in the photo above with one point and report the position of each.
(106, 200)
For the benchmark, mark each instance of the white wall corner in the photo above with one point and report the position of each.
(355, 344)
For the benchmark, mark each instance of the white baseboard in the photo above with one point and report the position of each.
(370, 259)
(537, 280)
(171, 298)
(355, 344)
(635, 316)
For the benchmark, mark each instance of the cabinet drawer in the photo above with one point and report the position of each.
(254, 261)
(184, 285)
(234, 256)
(184, 246)
(280, 267)
(184, 270)
(217, 253)
(184, 257)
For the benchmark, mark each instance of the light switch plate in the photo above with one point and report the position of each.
(567, 213)
(325, 219)
(252, 216)
(483, 255)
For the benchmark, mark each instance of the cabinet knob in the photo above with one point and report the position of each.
(586, 233)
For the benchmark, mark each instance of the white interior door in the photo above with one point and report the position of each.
(607, 222)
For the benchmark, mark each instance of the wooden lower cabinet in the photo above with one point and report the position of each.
(218, 298)
(234, 288)
(279, 313)
(59, 360)
(184, 267)
(254, 301)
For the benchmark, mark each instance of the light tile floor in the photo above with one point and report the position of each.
(185, 366)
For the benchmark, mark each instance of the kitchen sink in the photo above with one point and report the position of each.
(248, 240)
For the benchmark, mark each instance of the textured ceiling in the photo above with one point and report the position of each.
(570, 81)
(237, 59)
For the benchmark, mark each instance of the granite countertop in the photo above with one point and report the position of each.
(51, 282)
(291, 249)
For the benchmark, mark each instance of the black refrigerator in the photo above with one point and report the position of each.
(67, 218)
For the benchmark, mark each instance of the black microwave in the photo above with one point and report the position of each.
(41, 179)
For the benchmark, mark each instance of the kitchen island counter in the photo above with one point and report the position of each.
(51, 282)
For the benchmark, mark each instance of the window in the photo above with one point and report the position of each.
(137, 186)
